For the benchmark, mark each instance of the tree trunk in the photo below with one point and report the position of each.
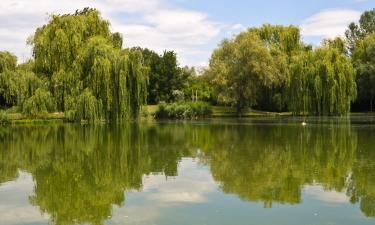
(239, 109)
(371, 100)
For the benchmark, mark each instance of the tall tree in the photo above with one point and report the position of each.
(84, 64)
(358, 31)
(283, 42)
(239, 68)
(165, 76)
(360, 38)
(322, 82)
(364, 61)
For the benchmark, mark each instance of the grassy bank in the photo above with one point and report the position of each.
(18, 118)
(148, 112)
(226, 111)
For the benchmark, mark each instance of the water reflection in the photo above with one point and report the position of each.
(81, 172)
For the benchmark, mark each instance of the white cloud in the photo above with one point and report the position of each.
(147, 23)
(329, 23)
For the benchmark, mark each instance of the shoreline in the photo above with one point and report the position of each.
(218, 112)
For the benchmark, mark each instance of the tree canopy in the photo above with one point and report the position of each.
(270, 68)
(239, 68)
(361, 42)
(78, 67)
(165, 76)
(322, 82)
(91, 76)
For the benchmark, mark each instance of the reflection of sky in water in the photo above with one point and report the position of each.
(14, 202)
(193, 197)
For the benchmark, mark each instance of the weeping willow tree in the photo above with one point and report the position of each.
(8, 64)
(89, 75)
(283, 43)
(322, 82)
(18, 84)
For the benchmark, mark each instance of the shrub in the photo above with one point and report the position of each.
(85, 107)
(4, 118)
(40, 103)
(186, 110)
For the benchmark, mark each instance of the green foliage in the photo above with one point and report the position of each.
(40, 103)
(200, 86)
(361, 42)
(358, 31)
(7, 61)
(165, 76)
(4, 118)
(17, 85)
(269, 68)
(79, 55)
(86, 108)
(57, 44)
(364, 62)
(283, 43)
(239, 68)
(183, 110)
(322, 82)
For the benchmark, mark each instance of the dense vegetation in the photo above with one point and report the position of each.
(188, 110)
(80, 68)
(270, 68)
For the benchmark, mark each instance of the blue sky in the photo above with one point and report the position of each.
(192, 28)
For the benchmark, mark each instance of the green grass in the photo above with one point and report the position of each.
(226, 111)
(18, 118)
(148, 112)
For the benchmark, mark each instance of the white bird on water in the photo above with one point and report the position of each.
(304, 123)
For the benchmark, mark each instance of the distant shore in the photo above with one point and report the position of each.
(149, 111)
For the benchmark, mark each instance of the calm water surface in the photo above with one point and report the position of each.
(251, 171)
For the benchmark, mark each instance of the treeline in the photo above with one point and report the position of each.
(80, 68)
(271, 68)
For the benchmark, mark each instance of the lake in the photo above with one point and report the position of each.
(227, 171)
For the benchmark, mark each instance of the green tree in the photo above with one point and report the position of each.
(8, 87)
(39, 103)
(239, 68)
(165, 76)
(283, 42)
(364, 62)
(78, 54)
(322, 82)
(356, 32)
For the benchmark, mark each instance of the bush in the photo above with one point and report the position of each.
(4, 118)
(85, 107)
(186, 110)
(38, 104)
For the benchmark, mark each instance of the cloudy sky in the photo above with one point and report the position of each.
(192, 28)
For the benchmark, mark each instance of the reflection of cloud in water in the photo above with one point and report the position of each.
(326, 196)
(15, 207)
(189, 187)
(160, 193)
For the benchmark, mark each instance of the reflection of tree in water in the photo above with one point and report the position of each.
(80, 172)
(272, 164)
(361, 187)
